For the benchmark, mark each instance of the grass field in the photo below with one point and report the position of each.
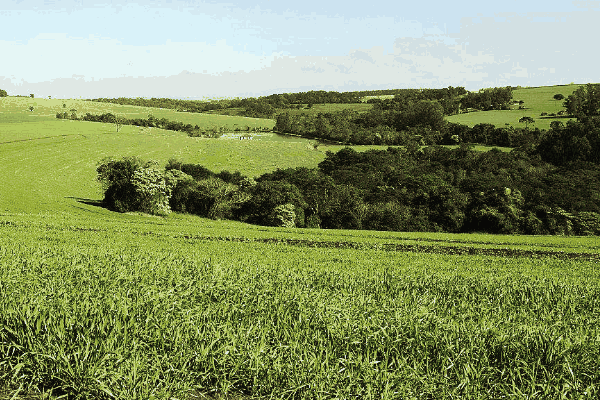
(16, 109)
(537, 100)
(132, 306)
(97, 304)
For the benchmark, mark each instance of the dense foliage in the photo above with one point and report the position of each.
(3, 93)
(531, 190)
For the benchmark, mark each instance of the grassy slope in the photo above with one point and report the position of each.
(17, 109)
(447, 326)
(141, 306)
(537, 100)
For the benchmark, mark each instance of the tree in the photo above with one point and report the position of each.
(118, 121)
(131, 185)
(152, 189)
(584, 102)
(424, 112)
(527, 121)
(31, 95)
(559, 96)
(3, 93)
(116, 178)
(266, 197)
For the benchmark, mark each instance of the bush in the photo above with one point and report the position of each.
(284, 216)
(116, 177)
(131, 185)
(152, 189)
(266, 196)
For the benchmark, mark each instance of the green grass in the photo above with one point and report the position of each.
(537, 100)
(47, 173)
(96, 304)
(136, 307)
(16, 109)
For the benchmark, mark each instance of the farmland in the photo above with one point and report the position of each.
(97, 304)
(536, 101)
(140, 307)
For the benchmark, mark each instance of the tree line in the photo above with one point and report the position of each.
(162, 123)
(531, 190)
(268, 106)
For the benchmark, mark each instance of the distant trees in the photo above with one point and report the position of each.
(488, 99)
(31, 95)
(426, 113)
(584, 102)
(575, 141)
(3, 93)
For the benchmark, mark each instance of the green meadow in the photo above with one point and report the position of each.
(97, 304)
(16, 109)
(536, 101)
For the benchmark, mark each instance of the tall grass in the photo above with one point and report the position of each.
(122, 313)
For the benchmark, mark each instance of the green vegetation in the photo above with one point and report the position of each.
(15, 109)
(140, 308)
(535, 102)
(100, 304)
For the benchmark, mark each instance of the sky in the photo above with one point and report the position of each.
(209, 49)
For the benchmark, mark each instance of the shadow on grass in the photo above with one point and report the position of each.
(89, 202)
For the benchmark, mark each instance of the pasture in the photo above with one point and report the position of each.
(16, 109)
(97, 304)
(537, 100)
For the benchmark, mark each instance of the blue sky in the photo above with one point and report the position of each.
(195, 49)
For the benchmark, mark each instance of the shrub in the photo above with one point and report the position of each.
(283, 216)
(152, 189)
(131, 185)
(116, 177)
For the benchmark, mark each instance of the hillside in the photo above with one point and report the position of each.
(100, 304)
(16, 109)
(536, 101)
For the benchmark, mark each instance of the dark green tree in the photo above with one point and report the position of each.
(584, 102)
(559, 96)
(3, 93)
(527, 121)
(116, 177)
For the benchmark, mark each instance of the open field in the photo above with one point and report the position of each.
(97, 304)
(137, 307)
(16, 109)
(537, 100)
(46, 165)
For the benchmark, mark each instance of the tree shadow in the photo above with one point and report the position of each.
(89, 202)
